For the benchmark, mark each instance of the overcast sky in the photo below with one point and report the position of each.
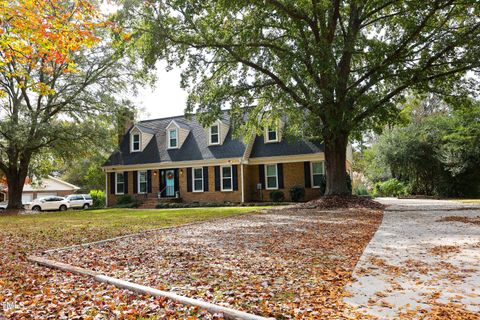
(165, 99)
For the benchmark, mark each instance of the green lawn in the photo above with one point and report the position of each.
(72, 227)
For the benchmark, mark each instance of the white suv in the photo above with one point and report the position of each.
(83, 201)
(48, 203)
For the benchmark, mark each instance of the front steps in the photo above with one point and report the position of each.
(151, 203)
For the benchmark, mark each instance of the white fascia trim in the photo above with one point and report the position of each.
(174, 164)
(288, 159)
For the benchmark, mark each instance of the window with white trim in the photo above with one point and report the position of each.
(215, 134)
(271, 176)
(173, 138)
(317, 169)
(226, 178)
(119, 183)
(136, 142)
(272, 134)
(197, 180)
(142, 181)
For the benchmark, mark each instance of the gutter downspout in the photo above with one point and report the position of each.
(106, 189)
(243, 182)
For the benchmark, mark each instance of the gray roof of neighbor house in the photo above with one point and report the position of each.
(196, 145)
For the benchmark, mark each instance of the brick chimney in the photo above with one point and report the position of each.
(125, 120)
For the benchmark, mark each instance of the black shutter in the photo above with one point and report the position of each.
(235, 177)
(125, 181)
(261, 175)
(135, 182)
(149, 181)
(306, 170)
(280, 176)
(112, 183)
(162, 182)
(205, 178)
(217, 178)
(177, 180)
(189, 179)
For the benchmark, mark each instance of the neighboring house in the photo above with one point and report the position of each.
(49, 186)
(178, 158)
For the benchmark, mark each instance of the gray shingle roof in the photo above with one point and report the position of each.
(196, 145)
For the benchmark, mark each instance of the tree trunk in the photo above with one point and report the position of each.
(16, 181)
(335, 161)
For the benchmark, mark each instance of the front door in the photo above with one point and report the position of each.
(170, 183)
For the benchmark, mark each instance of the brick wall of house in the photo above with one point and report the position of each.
(112, 198)
(293, 174)
(211, 195)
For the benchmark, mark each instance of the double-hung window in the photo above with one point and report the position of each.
(173, 138)
(271, 176)
(142, 182)
(317, 173)
(272, 134)
(226, 178)
(119, 183)
(214, 134)
(136, 142)
(197, 179)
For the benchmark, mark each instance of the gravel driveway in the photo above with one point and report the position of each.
(423, 261)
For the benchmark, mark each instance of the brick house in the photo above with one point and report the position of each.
(176, 158)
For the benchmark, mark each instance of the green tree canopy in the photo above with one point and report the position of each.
(333, 68)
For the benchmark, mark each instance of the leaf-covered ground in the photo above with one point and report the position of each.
(28, 291)
(288, 263)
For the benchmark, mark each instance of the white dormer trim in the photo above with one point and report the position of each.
(181, 134)
(144, 138)
(169, 139)
(132, 141)
(223, 129)
(278, 133)
(210, 142)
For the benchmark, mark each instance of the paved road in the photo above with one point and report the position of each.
(416, 260)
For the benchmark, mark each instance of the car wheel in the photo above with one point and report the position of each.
(63, 207)
(86, 206)
(36, 208)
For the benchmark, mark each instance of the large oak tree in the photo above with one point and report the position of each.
(58, 70)
(332, 67)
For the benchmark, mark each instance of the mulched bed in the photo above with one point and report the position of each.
(342, 201)
(285, 263)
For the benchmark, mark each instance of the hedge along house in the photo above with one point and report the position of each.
(179, 160)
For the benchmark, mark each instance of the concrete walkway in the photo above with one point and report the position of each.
(416, 261)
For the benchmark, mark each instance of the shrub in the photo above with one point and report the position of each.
(391, 188)
(99, 198)
(125, 199)
(297, 193)
(361, 190)
(276, 196)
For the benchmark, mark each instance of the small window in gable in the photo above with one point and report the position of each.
(214, 134)
(136, 142)
(172, 138)
(272, 134)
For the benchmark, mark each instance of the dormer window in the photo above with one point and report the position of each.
(173, 139)
(214, 134)
(272, 134)
(135, 142)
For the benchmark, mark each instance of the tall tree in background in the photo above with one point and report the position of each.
(333, 68)
(57, 68)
